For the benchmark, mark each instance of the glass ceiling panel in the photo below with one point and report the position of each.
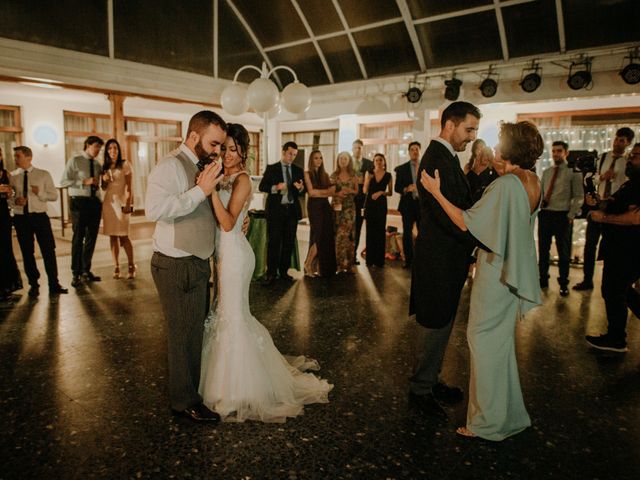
(321, 15)
(72, 24)
(273, 21)
(387, 50)
(531, 28)
(590, 23)
(305, 62)
(165, 36)
(360, 13)
(429, 8)
(235, 47)
(480, 42)
(341, 59)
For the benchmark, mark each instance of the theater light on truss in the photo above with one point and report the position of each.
(489, 86)
(631, 73)
(530, 80)
(452, 89)
(579, 75)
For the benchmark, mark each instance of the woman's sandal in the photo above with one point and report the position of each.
(465, 432)
(132, 272)
(116, 273)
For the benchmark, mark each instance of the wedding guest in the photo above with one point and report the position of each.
(321, 258)
(34, 188)
(476, 147)
(361, 166)
(82, 176)
(506, 283)
(409, 206)
(481, 173)
(10, 279)
(116, 206)
(346, 183)
(377, 187)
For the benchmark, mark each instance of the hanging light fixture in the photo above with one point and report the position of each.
(262, 94)
(489, 86)
(452, 90)
(530, 82)
(631, 73)
(580, 74)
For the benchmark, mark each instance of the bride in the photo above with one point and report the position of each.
(243, 375)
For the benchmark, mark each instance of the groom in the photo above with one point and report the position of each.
(183, 242)
(441, 256)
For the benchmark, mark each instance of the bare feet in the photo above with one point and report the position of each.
(465, 432)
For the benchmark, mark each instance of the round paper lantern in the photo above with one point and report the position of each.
(234, 99)
(296, 97)
(263, 95)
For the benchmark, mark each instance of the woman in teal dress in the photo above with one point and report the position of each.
(506, 284)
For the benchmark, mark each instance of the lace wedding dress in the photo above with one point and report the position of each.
(243, 375)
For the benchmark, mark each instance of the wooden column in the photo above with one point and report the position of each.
(117, 118)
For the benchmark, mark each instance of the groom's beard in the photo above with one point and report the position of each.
(204, 158)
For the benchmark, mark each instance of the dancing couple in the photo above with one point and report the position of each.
(223, 363)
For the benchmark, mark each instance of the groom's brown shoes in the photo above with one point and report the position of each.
(198, 413)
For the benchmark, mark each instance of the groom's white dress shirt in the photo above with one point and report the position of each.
(169, 197)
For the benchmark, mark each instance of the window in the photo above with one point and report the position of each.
(253, 158)
(78, 126)
(324, 140)
(391, 139)
(10, 134)
(148, 141)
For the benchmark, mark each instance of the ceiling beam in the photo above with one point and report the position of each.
(468, 11)
(216, 30)
(256, 42)
(112, 49)
(561, 35)
(303, 18)
(413, 35)
(356, 51)
(501, 30)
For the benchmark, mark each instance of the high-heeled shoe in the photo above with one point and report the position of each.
(132, 272)
(116, 272)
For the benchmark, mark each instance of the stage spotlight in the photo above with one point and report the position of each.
(488, 87)
(452, 92)
(413, 95)
(532, 80)
(631, 73)
(581, 78)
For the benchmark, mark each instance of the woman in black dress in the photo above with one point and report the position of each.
(321, 258)
(377, 187)
(10, 279)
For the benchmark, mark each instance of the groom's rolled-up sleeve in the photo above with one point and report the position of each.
(164, 199)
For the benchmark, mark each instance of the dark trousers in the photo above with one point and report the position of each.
(554, 225)
(410, 216)
(281, 230)
(359, 202)
(85, 219)
(621, 269)
(37, 226)
(592, 237)
(432, 346)
(183, 288)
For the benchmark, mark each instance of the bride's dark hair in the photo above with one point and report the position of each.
(241, 139)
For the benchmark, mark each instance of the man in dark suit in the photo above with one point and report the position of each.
(409, 205)
(284, 183)
(361, 166)
(441, 257)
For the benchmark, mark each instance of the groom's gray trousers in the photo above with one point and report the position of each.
(183, 288)
(433, 343)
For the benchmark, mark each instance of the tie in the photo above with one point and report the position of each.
(549, 192)
(92, 173)
(608, 184)
(289, 184)
(25, 192)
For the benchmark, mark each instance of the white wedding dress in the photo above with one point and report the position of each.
(243, 375)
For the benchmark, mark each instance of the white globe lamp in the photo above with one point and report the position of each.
(234, 99)
(263, 95)
(296, 97)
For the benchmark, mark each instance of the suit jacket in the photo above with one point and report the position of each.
(366, 166)
(403, 180)
(442, 251)
(272, 176)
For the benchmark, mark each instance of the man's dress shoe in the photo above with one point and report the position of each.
(428, 405)
(57, 290)
(76, 282)
(90, 277)
(199, 413)
(446, 394)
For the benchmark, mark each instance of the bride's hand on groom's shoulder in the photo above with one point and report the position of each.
(208, 178)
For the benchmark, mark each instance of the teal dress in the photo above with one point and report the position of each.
(505, 287)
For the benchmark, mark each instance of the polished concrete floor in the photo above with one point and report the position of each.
(83, 389)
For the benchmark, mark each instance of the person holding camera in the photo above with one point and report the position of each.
(608, 178)
(561, 201)
(619, 218)
(116, 210)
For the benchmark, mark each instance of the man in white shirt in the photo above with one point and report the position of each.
(178, 201)
(610, 176)
(33, 188)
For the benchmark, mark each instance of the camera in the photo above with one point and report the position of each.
(585, 162)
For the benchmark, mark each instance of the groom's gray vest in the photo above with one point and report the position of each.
(195, 233)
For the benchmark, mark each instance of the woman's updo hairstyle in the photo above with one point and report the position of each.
(521, 144)
(241, 139)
